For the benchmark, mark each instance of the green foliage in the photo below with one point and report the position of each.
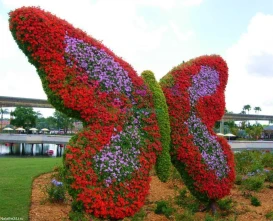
(269, 176)
(254, 131)
(255, 201)
(49, 122)
(56, 194)
(247, 107)
(63, 121)
(253, 183)
(238, 179)
(225, 204)
(248, 161)
(24, 117)
(186, 216)
(139, 216)
(175, 175)
(267, 159)
(78, 216)
(209, 218)
(163, 162)
(187, 201)
(269, 215)
(163, 207)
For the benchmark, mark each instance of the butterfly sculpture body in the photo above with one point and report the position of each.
(107, 164)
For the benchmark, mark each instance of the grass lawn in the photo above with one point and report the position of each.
(16, 175)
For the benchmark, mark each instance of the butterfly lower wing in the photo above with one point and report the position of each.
(108, 162)
(194, 93)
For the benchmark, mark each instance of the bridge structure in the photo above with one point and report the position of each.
(23, 102)
(39, 103)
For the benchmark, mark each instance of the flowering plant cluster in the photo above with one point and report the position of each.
(127, 121)
(194, 93)
(107, 164)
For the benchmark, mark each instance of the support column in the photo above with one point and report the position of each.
(32, 149)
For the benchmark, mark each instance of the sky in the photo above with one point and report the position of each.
(157, 35)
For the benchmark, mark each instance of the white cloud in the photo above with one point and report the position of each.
(179, 34)
(118, 23)
(7, 46)
(249, 61)
(191, 2)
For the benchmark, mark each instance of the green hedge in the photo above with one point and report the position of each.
(163, 162)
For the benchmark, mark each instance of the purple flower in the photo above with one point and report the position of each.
(99, 65)
(56, 183)
(203, 84)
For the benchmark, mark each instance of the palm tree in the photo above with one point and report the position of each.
(257, 109)
(3, 111)
(247, 107)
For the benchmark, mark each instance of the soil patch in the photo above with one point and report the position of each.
(242, 210)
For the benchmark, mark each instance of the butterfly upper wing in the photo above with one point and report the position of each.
(108, 162)
(194, 93)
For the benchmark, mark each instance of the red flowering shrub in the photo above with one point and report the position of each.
(194, 93)
(107, 164)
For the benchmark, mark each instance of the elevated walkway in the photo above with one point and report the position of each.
(55, 139)
(251, 145)
(34, 139)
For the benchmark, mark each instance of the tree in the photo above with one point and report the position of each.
(24, 117)
(3, 111)
(49, 122)
(247, 107)
(63, 121)
(257, 109)
(255, 131)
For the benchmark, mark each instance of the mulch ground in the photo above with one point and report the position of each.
(42, 210)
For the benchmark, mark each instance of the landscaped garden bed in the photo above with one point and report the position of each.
(250, 198)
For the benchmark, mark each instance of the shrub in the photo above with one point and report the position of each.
(186, 216)
(254, 183)
(269, 176)
(56, 191)
(267, 159)
(225, 204)
(139, 216)
(209, 218)
(248, 162)
(269, 215)
(238, 179)
(78, 216)
(163, 162)
(255, 201)
(163, 207)
(187, 201)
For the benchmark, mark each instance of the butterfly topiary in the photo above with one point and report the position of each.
(131, 123)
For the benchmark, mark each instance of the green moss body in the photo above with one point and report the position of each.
(163, 162)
